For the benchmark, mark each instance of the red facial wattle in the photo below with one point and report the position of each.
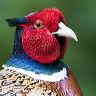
(40, 44)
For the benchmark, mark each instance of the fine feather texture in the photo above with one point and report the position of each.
(13, 83)
(26, 63)
(52, 78)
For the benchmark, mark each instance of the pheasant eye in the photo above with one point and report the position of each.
(38, 24)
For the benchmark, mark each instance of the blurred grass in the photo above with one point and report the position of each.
(80, 16)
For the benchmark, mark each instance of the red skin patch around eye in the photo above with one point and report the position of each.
(40, 45)
(50, 19)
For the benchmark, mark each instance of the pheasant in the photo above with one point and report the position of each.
(35, 67)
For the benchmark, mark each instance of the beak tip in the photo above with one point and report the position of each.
(76, 39)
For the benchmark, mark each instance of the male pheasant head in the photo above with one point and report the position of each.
(44, 35)
(40, 41)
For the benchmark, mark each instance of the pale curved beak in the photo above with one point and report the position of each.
(65, 32)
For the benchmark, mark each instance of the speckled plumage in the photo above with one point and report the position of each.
(13, 83)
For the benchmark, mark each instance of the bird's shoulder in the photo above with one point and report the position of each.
(69, 86)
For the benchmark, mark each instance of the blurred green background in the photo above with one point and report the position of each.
(80, 16)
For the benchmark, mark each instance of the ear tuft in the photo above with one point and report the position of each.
(16, 21)
(12, 22)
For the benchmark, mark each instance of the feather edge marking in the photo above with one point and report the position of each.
(53, 78)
